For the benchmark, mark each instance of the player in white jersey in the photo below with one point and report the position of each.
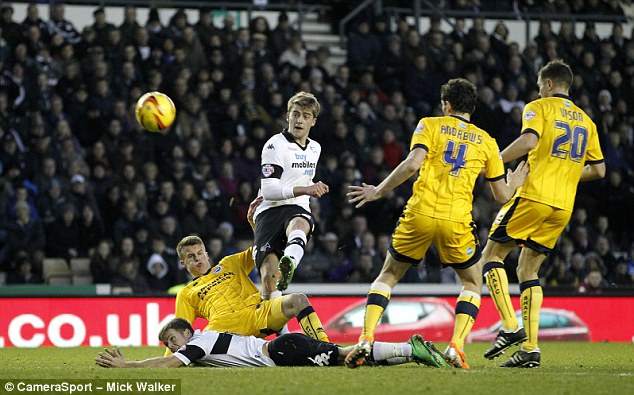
(283, 222)
(223, 349)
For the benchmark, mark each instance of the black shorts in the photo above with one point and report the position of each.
(270, 230)
(298, 349)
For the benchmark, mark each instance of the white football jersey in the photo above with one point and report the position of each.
(284, 159)
(240, 350)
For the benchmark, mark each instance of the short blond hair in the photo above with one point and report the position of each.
(306, 101)
(186, 242)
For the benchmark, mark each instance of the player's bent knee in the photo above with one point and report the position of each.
(294, 303)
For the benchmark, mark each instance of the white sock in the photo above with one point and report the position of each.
(397, 360)
(295, 246)
(382, 351)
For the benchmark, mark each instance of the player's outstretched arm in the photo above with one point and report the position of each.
(251, 212)
(113, 358)
(368, 193)
(593, 172)
(520, 147)
(316, 190)
(504, 190)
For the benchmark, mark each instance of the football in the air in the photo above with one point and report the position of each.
(155, 111)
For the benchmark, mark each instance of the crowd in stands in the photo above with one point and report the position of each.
(80, 178)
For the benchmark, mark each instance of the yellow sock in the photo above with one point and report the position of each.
(378, 298)
(467, 309)
(531, 298)
(498, 284)
(311, 324)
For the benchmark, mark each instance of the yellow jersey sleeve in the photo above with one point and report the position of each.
(494, 168)
(184, 309)
(533, 120)
(422, 136)
(594, 153)
(244, 259)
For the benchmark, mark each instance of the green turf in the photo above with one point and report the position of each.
(567, 368)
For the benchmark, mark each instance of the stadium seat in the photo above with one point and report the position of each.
(122, 291)
(80, 266)
(59, 280)
(82, 279)
(55, 271)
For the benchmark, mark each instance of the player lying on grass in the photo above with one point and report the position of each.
(223, 349)
(224, 295)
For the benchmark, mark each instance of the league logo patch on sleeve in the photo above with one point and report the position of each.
(419, 128)
(529, 115)
(267, 170)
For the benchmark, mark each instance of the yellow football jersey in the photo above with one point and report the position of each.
(457, 151)
(567, 141)
(225, 289)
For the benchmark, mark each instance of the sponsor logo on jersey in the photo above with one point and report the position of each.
(322, 359)
(303, 165)
(267, 170)
(462, 125)
(265, 247)
(529, 115)
(313, 149)
(270, 146)
(469, 250)
(567, 103)
(217, 269)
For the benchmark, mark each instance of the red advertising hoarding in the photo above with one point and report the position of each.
(70, 322)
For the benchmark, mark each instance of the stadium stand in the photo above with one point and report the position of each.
(75, 160)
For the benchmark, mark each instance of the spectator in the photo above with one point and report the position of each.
(128, 276)
(339, 265)
(51, 201)
(129, 25)
(101, 26)
(294, 54)
(23, 234)
(159, 274)
(58, 26)
(315, 265)
(25, 273)
(63, 234)
(365, 269)
(199, 222)
(593, 283)
(621, 275)
(103, 263)
(90, 231)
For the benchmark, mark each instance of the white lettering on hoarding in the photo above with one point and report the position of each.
(15, 331)
(55, 326)
(153, 325)
(113, 331)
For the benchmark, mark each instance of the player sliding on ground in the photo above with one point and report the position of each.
(224, 295)
(223, 349)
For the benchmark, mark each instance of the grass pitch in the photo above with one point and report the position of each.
(567, 368)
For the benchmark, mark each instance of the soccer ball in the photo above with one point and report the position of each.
(155, 111)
